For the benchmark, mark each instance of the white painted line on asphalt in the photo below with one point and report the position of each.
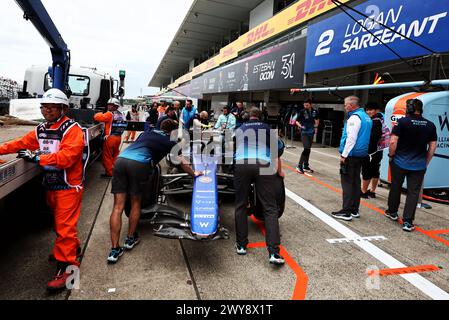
(314, 160)
(326, 154)
(308, 174)
(348, 240)
(314, 150)
(416, 280)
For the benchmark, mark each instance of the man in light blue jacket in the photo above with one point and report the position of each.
(226, 120)
(353, 149)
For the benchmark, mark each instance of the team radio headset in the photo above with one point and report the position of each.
(409, 109)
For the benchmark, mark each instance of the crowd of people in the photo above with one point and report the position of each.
(412, 144)
(59, 146)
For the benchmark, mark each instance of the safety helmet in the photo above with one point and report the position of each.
(114, 102)
(55, 96)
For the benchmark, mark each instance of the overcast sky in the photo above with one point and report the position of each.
(110, 35)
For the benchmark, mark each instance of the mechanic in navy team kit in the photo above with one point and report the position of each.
(132, 170)
(308, 122)
(413, 144)
(255, 163)
(170, 113)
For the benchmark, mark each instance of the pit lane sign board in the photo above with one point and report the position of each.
(339, 41)
(279, 67)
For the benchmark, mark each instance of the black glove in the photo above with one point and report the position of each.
(28, 155)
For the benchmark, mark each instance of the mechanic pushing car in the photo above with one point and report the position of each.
(133, 169)
(256, 163)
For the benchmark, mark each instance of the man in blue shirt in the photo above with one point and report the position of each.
(308, 122)
(255, 163)
(131, 172)
(353, 149)
(188, 114)
(413, 144)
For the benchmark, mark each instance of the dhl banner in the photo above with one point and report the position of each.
(302, 11)
(231, 51)
(184, 78)
(206, 66)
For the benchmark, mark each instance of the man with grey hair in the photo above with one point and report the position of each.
(177, 107)
(254, 157)
(353, 149)
(201, 121)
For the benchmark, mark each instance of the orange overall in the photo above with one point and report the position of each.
(161, 110)
(111, 146)
(65, 204)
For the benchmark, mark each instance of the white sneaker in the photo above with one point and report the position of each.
(276, 259)
(241, 251)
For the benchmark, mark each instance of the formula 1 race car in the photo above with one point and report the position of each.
(203, 222)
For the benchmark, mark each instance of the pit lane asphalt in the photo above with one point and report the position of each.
(165, 269)
(158, 269)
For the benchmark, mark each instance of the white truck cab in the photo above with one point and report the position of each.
(90, 89)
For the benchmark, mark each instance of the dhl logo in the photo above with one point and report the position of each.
(210, 63)
(198, 69)
(228, 52)
(259, 33)
(308, 8)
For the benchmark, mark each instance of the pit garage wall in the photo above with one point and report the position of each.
(391, 71)
(217, 104)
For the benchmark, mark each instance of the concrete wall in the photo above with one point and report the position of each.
(218, 102)
(261, 13)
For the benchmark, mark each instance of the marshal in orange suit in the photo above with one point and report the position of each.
(58, 146)
(115, 126)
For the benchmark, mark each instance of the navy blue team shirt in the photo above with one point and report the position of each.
(150, 147)
(415, 133)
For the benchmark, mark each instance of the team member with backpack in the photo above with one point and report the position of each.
(380, 139)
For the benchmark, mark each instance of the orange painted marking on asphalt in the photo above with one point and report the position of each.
(313, 179)
(257, 245)
(301, 277)
(260, 224)
(437, 231)
(430, 234)
(300, 291)
(399, 271)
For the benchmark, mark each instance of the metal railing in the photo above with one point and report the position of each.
(9, 89)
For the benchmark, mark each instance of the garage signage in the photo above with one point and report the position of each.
(341, 42)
